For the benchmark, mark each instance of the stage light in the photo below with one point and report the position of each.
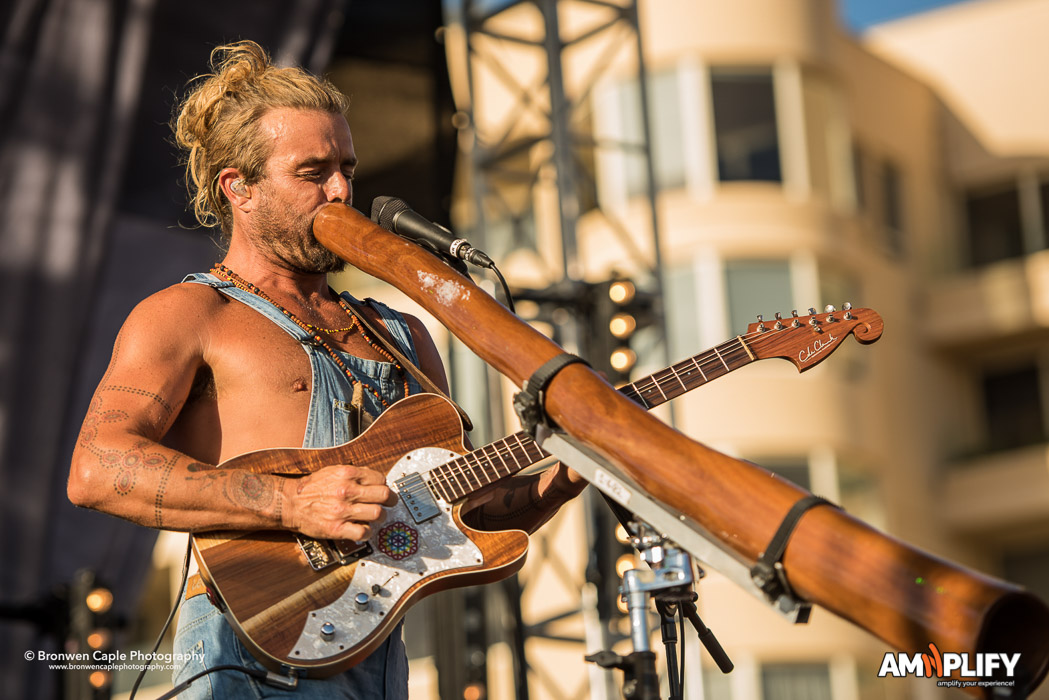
(624, 564)
(622, 325)
(621, 292)
(99, 639)
(100, 679)
(621, 534)
(623, 359)
(99, 600)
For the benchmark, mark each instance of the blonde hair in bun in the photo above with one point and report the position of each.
(217, 123)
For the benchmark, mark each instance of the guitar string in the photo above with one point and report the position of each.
(500, 447)
(677, 373)
(461, 465)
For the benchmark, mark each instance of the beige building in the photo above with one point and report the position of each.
(906, 171)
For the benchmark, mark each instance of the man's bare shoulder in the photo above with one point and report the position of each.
(178, 316)
(183, 302)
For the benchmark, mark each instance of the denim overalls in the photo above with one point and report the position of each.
(202, 628)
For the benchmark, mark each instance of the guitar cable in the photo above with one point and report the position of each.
(268, 677)
(167, 623)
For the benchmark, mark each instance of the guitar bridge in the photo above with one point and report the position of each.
(416, 496)
(324, 553)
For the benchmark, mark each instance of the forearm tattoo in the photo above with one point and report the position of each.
(254, 492)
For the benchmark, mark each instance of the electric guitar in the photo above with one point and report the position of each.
(321, 606)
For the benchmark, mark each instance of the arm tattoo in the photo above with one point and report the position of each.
(158, 502)
(168, 408)
(249, 490)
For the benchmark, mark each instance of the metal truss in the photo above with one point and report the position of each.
(525, 77)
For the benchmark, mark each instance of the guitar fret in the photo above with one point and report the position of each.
(469, 470)
(495, 454)
(485, 466)
(727, 368)
(631, 392)
(459, 485)
(437, 485)
(703, 374)
(673, 372)
(498, 453)
(514, 454)
(663, 393)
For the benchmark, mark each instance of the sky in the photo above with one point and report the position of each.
(861, 14)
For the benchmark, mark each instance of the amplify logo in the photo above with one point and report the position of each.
(937, 665)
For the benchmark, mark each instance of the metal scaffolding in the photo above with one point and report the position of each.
(525, 76)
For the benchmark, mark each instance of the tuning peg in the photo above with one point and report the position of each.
(779, 321)
(812, 311)
(847, 307)
(829, 310)
(761, 324)
(795, 323)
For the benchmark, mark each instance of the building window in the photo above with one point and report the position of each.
(892, 206)
(664, 104)
(859, 178)
(995, 225)
(1013, 408)
(795, 682)
(756, 287)
(745, 125)
(680, 309)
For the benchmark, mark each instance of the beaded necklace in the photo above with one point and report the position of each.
(315, 331)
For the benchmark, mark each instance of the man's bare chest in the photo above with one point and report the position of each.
(255, 386)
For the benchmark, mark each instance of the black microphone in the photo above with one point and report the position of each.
(395, 215)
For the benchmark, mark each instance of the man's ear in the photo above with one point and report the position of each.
(237, 190)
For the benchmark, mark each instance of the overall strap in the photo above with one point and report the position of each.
(399, 327)
(255, 302)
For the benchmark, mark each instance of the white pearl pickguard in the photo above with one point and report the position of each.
(439, 546)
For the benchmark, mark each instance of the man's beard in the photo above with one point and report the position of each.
(291, 241)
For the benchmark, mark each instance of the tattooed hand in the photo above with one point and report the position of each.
(339, 502)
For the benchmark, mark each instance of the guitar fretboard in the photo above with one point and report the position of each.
(497, 460)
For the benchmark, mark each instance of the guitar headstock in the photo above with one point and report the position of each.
(808, 340)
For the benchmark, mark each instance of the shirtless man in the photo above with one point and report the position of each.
(221, 365)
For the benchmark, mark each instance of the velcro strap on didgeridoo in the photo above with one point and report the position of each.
(529, 402)
(768, 573)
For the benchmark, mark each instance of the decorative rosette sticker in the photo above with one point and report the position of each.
(398, 540)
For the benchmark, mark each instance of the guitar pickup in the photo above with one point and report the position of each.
(417, 497)
(322, 554)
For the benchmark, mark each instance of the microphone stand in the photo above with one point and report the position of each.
(668, 581)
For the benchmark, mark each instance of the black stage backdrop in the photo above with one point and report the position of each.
(93, 218)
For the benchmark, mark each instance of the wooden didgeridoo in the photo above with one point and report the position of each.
(903, 596)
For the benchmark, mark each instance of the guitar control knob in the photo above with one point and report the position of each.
(327, 631)
(362, 599)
